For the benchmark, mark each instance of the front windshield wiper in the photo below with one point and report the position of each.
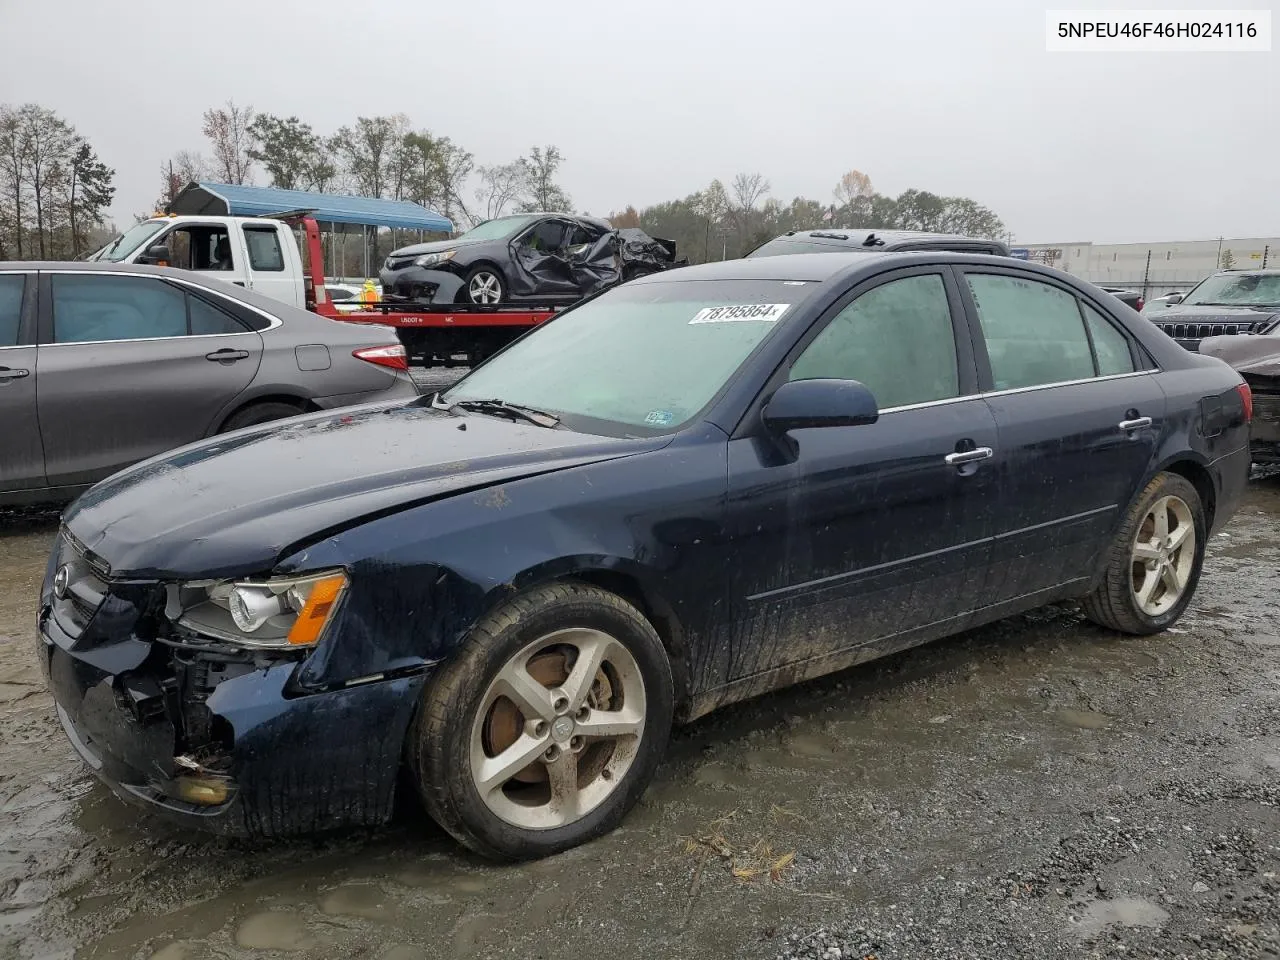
(499, 407)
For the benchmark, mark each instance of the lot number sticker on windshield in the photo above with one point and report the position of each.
(766, 312)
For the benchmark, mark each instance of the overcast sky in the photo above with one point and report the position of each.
(651, 99)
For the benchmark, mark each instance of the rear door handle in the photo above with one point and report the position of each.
(227, 355)
(1135, 424)
(969, 456)
(12, 373)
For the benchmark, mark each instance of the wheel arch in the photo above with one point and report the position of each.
(633, 584)
(304, 405)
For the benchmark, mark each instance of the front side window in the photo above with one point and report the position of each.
(642, 358)
(896, 339)
(10, 308)
(265, 252)
(1033, 331)
(89, 308)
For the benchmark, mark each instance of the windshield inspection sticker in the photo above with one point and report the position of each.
(766, 312)
(659, 418)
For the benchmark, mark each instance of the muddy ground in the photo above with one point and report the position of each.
(1037, 789)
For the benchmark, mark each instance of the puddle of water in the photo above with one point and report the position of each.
(1124, 912)
(274, 930)
(358, 900)
(1084, 719)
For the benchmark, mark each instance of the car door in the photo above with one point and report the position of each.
(21, 454)
(867, 532)
(538, 254)
(132, 365)
(1078, 415)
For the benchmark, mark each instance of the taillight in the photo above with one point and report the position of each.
(389, 356)
(1246, 397)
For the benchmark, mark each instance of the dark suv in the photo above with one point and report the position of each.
(1222, 304)
(873, 241)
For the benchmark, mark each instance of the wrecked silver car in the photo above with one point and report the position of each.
(1257, 359)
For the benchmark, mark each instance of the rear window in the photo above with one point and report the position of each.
(264, 248)
(782, 246)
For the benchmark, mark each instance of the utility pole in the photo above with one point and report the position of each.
(1218, 266)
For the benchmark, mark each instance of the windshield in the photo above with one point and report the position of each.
(1237, 290)
(782, 245)
(130, 240)
(497, 229)
(639, 360)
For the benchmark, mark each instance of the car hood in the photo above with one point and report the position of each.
(236, 504)
(1207, 313)
(1258, 356)
(435, 246)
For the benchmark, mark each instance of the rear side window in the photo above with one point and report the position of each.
(264, 248)
(10, 308)
(1033, 331)
(896, 339)
(89, 308)
(207, 319)
(1109, 344)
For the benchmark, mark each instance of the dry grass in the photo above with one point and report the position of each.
(746, 860)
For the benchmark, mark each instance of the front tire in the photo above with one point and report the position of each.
(547, 726)
(484, 285)
(1154, 561)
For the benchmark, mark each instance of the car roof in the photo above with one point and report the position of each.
(819, 267)
(857, 236)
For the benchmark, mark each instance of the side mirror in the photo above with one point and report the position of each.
(819, 403)
(1173, 298)
(157, 254)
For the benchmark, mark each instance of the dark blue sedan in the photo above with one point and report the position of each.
(691, 489)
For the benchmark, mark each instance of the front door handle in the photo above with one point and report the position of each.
(962, 457)
(1135, 424)
(227, 355)
(13, 373)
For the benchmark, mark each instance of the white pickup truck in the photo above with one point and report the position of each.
(259, 254)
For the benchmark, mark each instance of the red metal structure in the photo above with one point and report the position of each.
(452, 334)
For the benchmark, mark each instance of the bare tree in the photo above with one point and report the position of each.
(853, 186)
(368, 151)
(48, 145)
(227, 129)
(748, 188)
(500, 186)
(543, 193)
(13, 159)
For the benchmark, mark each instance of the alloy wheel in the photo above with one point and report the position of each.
(1163, 556)
(485, 287)
(557, 729)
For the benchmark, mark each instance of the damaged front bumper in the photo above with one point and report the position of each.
(420, 285)
(218, 739)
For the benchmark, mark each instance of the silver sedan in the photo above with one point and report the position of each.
(103, 365)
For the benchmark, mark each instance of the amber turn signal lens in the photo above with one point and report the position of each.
(315, 612)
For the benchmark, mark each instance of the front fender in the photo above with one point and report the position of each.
(421, 579)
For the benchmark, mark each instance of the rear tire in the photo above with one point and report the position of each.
(257, 413)
(547, 726)
(1154, 562)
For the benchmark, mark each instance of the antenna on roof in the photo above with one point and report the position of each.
(872, 241)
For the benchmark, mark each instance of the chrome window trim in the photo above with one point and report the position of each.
(183, 281)
(1015, 390)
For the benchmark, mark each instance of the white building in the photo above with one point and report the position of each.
(1160, 268)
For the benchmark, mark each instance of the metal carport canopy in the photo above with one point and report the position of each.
(238, 200)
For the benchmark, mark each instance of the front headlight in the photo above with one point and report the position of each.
(432, 259)
(282, 612)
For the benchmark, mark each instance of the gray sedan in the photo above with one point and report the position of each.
(103, 365)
